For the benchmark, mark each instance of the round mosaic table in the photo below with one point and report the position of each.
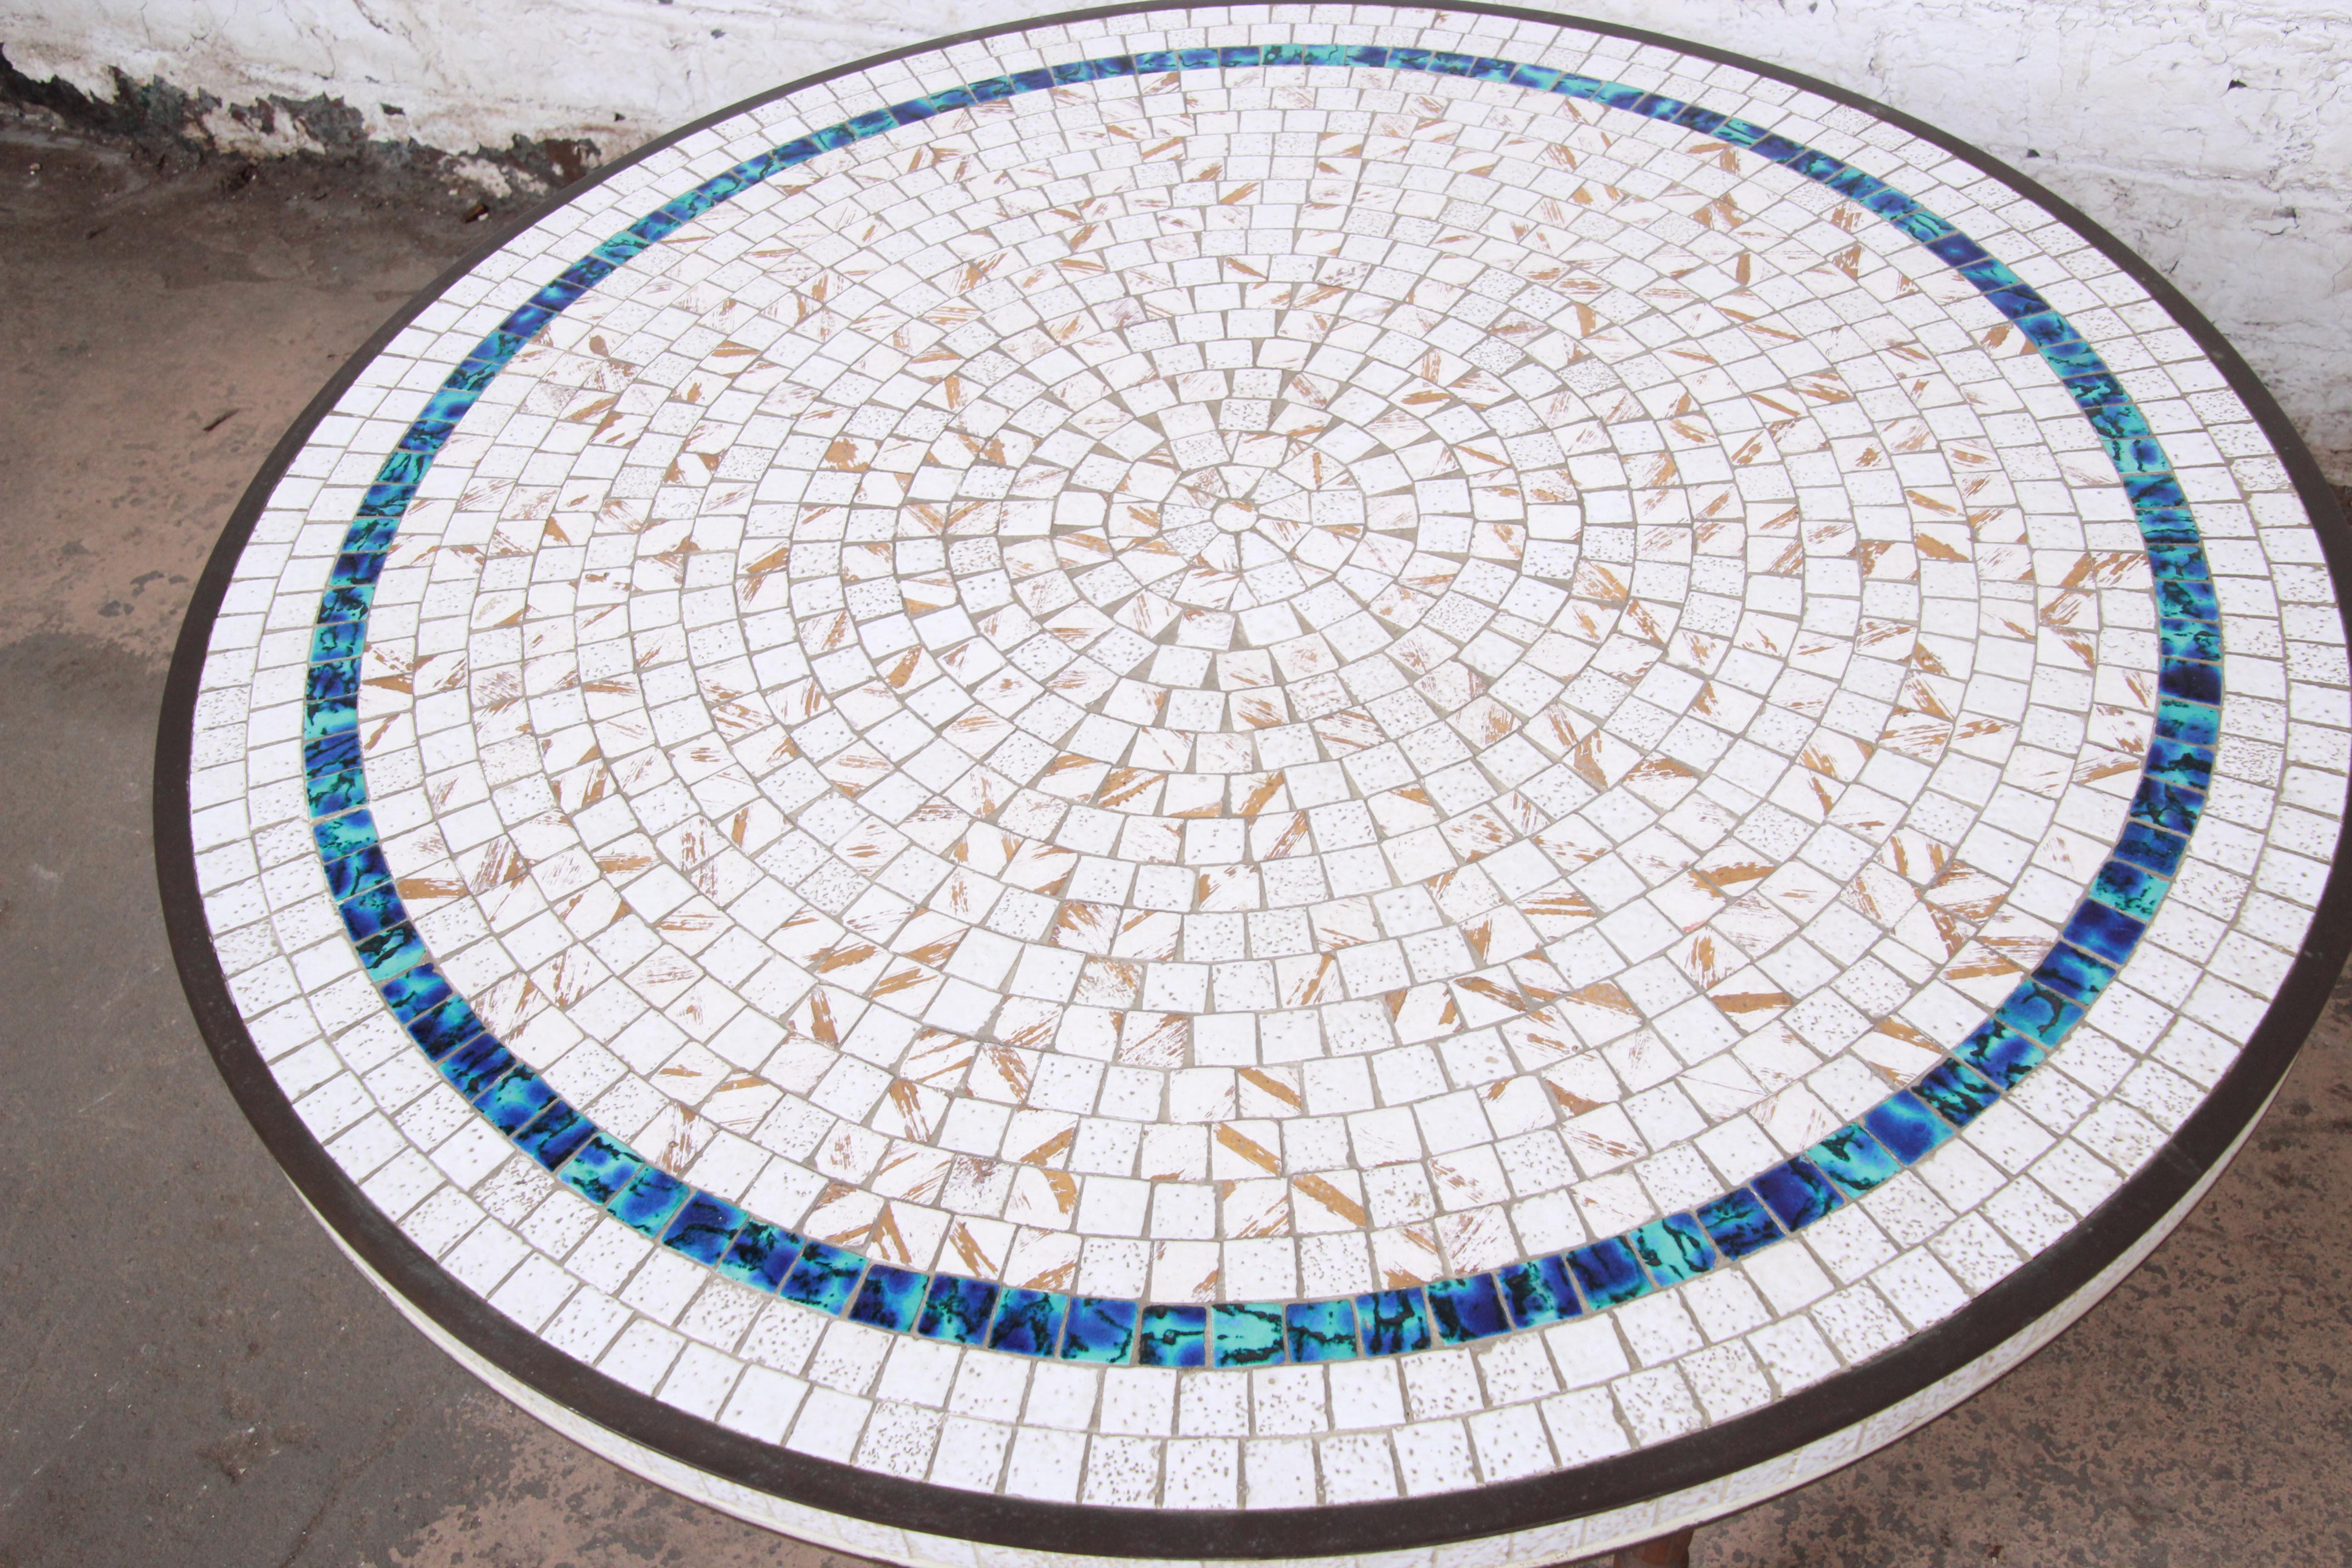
(1304, 782)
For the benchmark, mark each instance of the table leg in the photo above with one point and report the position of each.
(1666, 1552)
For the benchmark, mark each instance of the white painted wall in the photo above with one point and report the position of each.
(2129, 108)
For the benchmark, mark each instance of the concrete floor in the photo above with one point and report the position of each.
(190, 1373)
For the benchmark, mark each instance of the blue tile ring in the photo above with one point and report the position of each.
(2095, 941)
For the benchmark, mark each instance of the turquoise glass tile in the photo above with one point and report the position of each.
(1673, 1249)
(1321, 1331)
(1245, 1333)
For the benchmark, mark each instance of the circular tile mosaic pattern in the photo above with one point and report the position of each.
(1247, 759)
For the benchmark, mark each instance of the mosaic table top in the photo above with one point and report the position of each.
(1296, 780)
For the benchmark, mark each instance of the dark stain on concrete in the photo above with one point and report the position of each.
(190, 1373)
(167, 124)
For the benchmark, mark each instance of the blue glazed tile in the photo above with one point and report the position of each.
(334, 753)
(354, 875)
(704, 1228)
(322, 720)
(2141, 455)
(2188, 722)
(1959, 1092)
(1737, 1222)
(823, 1277)
(2096, 389)
(760, 1256)
(601, 1168)
(1998, 1052)
(2180, 766)
(2167, 526)
(516, 1100)
(889, 1298)
(1173, 1336)
(1099, 1330)
(1896, 208)
(372, 908)
(2167, 807)
(1958, 249)
(2041, 1014)
(646, 1204)
(1856, 183)
(1245, 1333)
(2068, 356)
(351, 603)
(2073, 974)
(1796, 1193)
(376, 532)
(345, 834)
(1854, 1160)
(2189, 681)
(1540, 1290)
(326, 722)
(443, 1027)
(333, 684)
(2130, 889)
(1321, 1331)
(336, 640)
(556, 1136)
(357, 569)
(1673, 1249)
(2013, 299)
(1608, 1273)
(1902, 1123)
(1465, 1310)
(331, 793)
(419, 993)
(1814, 164)
(2122, 422)
(2180, 639)
(2154, 848)
(2104, 931)
(1028, 1322)
(2191, 600)
(385, 953)
(1393, 1322)
(957, 1309)
(475, 1066)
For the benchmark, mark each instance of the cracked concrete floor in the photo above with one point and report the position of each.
(190, 1373)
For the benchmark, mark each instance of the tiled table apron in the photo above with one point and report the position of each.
(1315, 781)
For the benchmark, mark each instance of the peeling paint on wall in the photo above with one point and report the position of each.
(2214, 137)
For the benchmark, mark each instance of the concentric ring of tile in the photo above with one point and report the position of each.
(1266, 759)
